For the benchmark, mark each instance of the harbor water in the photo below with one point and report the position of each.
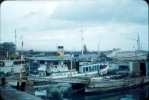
(63, 91)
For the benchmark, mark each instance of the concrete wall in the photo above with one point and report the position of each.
(134, 67)
(147, 68)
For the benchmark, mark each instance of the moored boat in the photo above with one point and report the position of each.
(135, 75)
(105, 85)
(12, 66)
(116, 54)
(62, 67)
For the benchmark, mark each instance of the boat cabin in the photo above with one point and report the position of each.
(88, 67)
(56, 66)
(12, 66)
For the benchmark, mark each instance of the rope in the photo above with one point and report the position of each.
(84, 86)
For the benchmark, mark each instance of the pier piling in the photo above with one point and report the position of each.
(3, 80)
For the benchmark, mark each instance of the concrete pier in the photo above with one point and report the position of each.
(9, 93)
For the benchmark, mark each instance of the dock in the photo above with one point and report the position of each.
(9, 93)
(47, 80)
(61, 80)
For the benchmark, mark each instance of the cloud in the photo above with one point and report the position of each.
(92, 13)
(45, 24)
(31, 14)
(113, 11)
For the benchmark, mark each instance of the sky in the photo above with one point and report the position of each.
(103, 24)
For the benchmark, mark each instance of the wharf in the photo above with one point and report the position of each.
(47, 79)
(9, 93)
(60, 80)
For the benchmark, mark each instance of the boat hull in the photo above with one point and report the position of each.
(104, 86)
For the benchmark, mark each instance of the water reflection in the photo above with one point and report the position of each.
(63, 91)
(52, 91)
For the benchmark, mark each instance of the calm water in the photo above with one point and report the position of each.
(63, 91)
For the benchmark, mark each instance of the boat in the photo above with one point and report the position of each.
(104, 85)
(12, 66)
(59, 69)
(117, 54)
(128, 94)
(134, 75)
(62, 67)
(54, 69)
(13, 63)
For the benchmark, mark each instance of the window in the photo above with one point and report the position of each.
(86, 68)
(92, 68)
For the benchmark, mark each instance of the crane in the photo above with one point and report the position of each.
(138, 41)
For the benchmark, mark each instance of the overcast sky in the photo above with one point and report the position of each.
(46, 24)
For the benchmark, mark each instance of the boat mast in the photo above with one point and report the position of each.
(82, 37)
(21, 56)
(98, 45)
(15, 42)
(138, 43)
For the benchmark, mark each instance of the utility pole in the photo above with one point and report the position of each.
(15, 41)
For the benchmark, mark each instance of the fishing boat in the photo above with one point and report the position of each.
(104, 85)
(136, 74)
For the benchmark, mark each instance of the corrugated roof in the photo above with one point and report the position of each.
(55, 58)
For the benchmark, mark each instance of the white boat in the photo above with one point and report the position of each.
(59, 69)
(64, 67)
(117, 54)
(12, 66)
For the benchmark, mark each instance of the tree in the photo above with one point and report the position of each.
(2, 52)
